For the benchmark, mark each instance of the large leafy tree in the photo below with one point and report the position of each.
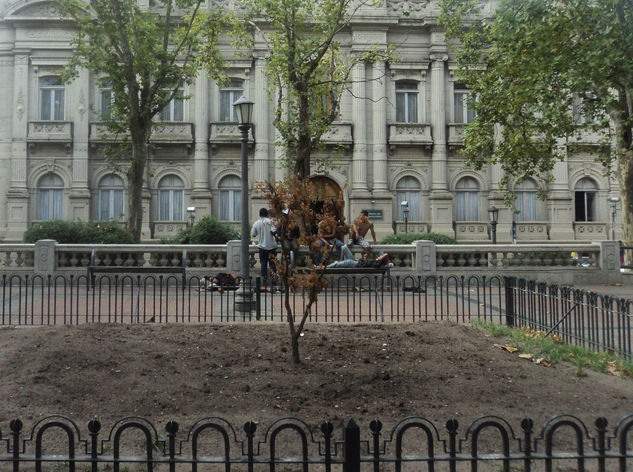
(145, 57)
(307, 68)
(536, 67)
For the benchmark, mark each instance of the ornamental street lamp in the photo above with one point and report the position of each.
(244, 111)
(192, 215)
(405, 210)
(613, 203)
(493, 216)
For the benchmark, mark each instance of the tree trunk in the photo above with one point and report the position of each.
(295, 349)
(135, 176)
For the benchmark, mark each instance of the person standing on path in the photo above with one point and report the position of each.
(264, 230)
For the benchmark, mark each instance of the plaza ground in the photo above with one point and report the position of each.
(243, 372)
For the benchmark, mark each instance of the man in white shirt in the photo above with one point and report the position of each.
(264, 231)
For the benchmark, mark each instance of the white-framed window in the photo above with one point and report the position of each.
(467, 199)
(463, 110)
(106, 101)
(228, 96)
(171, 197)
(408, 189)
(52, 98)
(50, 197)
(526, 203)
(406, 102)
(111, 198)
(579, 112)
(585, 200)
(175, 109)
(230, 198)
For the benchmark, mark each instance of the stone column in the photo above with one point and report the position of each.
(359, 117)
(441, 200)
(17, 194)
(78, 93)
(379, 128)
(261, 122)
(560, 204)
(201, 196)
(6, 121)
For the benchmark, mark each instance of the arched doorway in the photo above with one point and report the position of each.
(326, 188)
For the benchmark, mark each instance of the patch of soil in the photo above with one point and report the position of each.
(243, 372)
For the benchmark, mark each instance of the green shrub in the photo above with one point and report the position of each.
(78, 232)
(209, 230)
(408, 238)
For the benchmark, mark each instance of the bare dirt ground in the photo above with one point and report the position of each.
(243, 372)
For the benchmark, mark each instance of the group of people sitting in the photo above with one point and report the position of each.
(268, 238)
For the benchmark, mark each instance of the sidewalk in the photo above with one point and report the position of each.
(621, 290)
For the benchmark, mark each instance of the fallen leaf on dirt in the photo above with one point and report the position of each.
(581, 373)
(526, 356)
(544, 362)
(612, 369)
(507, 347)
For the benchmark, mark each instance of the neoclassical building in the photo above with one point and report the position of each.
(399, 144)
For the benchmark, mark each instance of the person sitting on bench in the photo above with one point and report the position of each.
(380, 261)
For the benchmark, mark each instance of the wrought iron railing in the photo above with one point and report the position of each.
(563, 443)
(595, 321)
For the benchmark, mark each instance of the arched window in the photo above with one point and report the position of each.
(111, 198)
(408, 189)
(407, 102)
(171, 199)
(228, 96)
(526, 202)
(585, 199)
(52, 98)
(50, 197)
(230, 201)
(467, 199)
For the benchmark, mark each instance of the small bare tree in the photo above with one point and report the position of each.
(298, 208)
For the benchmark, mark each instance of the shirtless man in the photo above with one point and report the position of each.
(360, 228)
(327, 238)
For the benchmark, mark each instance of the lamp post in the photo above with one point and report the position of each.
(192, 215)
(613, 203)
(405, 210)
(244, 111)
(493, 216)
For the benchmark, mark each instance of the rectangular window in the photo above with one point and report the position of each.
(585, 206)
(230, 205)
(228, 96)
(175, 109)
(467, 206)
(111, 204)
(526, 205)
(463, 112)
(50, 204)
(52, 99)
(107, 100)
(407, 102)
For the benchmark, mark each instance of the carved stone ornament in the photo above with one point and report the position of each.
(20, 105)
(410, 8)
(41, 10)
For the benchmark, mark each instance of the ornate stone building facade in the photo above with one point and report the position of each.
(400, 143)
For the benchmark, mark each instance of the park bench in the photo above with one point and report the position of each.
(93, 268)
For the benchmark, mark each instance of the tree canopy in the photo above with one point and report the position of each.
(308, 68)
(544, 73)
(144, 56)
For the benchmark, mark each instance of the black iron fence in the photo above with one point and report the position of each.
(594, 321)
(563, 443)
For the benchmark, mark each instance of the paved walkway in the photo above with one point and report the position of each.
(622, 290)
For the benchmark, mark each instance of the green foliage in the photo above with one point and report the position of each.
(553, 350)
(408, 238)
(78, 232)
(528, 64)
(209, 230)
(307, 69)
(144, 56)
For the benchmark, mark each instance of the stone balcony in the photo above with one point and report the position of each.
(456, 134)
(471, 231)
(50, 132)
(176, 132)
(532, 231)
(339, 133)
(410, 134)
(225, 132)
(590, 230)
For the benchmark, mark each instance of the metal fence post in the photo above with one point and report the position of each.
(94, 426)
(509, 283)
(16, 429)
(351, 446)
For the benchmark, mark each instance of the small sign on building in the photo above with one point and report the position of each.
(375, 214)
